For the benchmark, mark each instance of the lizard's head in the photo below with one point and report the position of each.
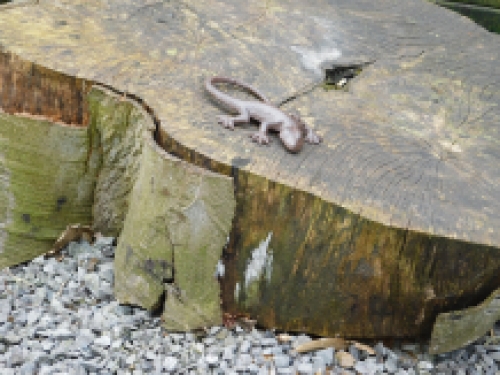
(293, 136)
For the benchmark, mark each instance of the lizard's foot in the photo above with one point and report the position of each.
(312, 137)
(226, 121)
(260, 138)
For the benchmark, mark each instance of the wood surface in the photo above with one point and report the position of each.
(392, 219)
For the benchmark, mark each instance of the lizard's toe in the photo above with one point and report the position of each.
(226, 122)
(260, 138)
(313, 138)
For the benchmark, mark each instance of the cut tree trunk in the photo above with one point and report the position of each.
(390, 221)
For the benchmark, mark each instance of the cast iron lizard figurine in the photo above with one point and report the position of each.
(292, 130)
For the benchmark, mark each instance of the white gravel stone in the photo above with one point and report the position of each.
(243, 360)
(269, 341)
(48, 345)
(285, 371)
(211, 359)
(228, 353)
(170, 363)
(245, 346)
(425, 365)
(58, 333)
(103, 341)
(305, 368)
(281, 361)
(327, 355)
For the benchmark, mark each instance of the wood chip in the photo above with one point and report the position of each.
(284, 337)
(364, 348)
(322, 343)
(345, 359)
(246, 323)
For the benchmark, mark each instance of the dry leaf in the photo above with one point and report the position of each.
(345, 359)
(72, 233)
(322, 343)
(364, 348)
(246, 324)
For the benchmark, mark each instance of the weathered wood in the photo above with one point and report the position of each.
(46, 173)
(392, 220)
(375, 273)
(117, 131)
(46, 182)
(178, 221)
(173, 218)
(463, 327)
(28, 88)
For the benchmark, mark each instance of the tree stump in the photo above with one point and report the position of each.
(390, 221)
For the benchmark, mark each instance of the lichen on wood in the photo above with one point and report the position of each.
(116, 129)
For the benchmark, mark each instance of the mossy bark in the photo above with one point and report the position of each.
(179, 219)
(117, 127)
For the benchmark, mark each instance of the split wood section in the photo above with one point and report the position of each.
(112, 174)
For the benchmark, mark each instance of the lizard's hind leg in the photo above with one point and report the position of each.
(229, 121)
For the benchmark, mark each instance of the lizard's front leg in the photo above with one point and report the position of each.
(261, 136)
(311, 136)
(229, 121)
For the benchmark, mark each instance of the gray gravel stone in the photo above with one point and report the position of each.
(327, 355)
(245, 346)
(33, 316)
(495, 356)
(269, 341)
(228, 354)
(11, 338)
(318, 364)
(104, 341)
(243, 360)
(28, 368)
(305, 368)
(281, 360)
(391, 365)
(212, 359)
(285, 371)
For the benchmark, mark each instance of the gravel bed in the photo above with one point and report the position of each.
(60, 317)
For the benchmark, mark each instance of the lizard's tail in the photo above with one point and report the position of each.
(209, 84)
